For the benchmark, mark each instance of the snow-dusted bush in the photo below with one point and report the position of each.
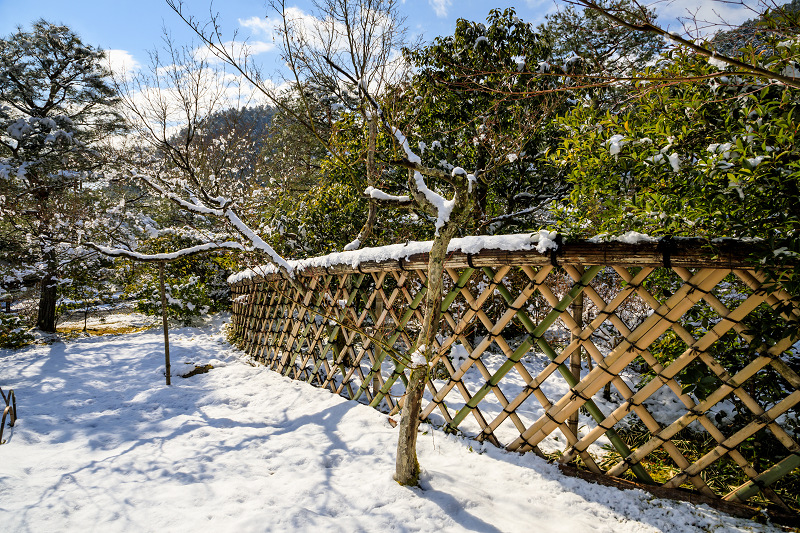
(193, 285)
(186, 298)
(13, 332)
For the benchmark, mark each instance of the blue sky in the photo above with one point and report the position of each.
(135, 26)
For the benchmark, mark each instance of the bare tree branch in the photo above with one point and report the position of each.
(647, 26)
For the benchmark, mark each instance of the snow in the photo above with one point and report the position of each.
(410, 155)
(724, 149)
(378, 194)
(634, 237)
(792, 71)
(353, 258)
(471, 179)
(674, 161)
(257, 241)
(458, 354)
(479, 40)
(542, 241)
(714, 61)
(443, 206)
(615, 144)
(545, 241)
(102, 443)
(755, 161)
(355, 244)
(209, 246)
(418, 357)
(19, 129)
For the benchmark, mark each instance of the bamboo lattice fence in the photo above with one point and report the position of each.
(9, 411)
(637, 360)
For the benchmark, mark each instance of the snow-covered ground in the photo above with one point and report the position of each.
(103, 445)
(120, 318)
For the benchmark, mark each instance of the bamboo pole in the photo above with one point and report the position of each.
(575, 356)
(765, 479)
(526, 344)
(622, 355)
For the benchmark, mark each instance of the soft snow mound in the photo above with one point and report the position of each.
(102, 444)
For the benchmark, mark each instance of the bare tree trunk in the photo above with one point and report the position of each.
(46, 317)
(372, 213)
(407, 467)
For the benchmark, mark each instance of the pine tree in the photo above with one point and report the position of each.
(56, 104)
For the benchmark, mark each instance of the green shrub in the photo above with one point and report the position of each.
(13, 332)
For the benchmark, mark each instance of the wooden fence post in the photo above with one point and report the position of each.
(164, 320)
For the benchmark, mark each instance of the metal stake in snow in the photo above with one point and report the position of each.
(164, 320)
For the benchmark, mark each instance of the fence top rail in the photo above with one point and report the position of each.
(632, 250)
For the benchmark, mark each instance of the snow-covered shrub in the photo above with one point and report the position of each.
(186, 298)
(13, 332)
(86, 284)
(193, 286)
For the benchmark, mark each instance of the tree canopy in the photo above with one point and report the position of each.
(56, 105)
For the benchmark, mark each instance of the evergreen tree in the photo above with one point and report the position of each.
(55, 106)
(600, 45)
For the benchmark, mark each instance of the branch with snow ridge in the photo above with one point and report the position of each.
(389, 199)
(195, 207)
(225, 213)
(166, 257)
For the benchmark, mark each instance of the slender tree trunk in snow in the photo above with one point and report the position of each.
(407, 467)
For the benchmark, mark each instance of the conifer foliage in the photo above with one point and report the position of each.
(55, 106)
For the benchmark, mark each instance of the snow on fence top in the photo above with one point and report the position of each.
(631, 248)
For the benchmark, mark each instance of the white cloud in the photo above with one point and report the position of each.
(213, 88)
(121, 62)
(258, 25)
(718, 13)
(237, 50)
(440, 7)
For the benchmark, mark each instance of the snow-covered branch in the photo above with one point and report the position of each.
(189, 206)
(227, 214)
(391, 199)
(165, 257)
(258, 242)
